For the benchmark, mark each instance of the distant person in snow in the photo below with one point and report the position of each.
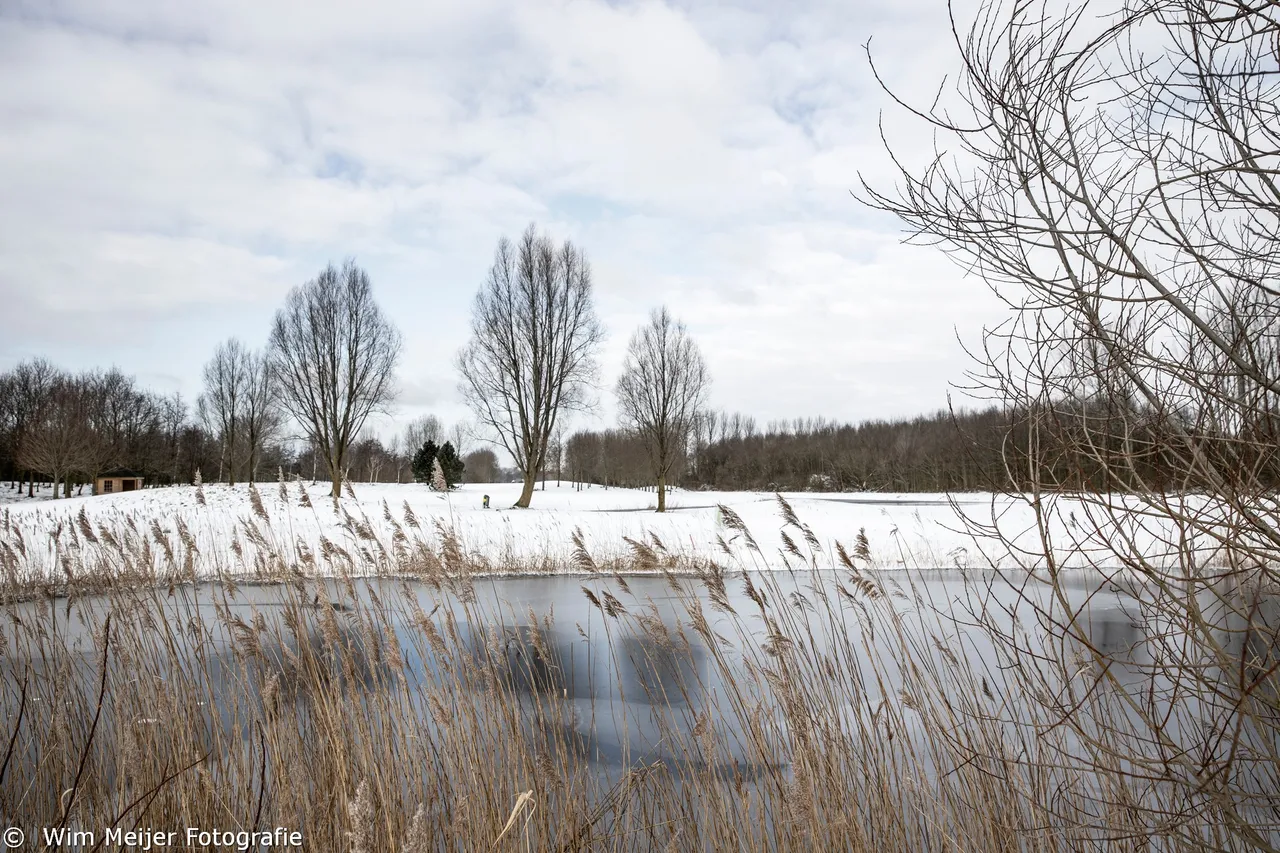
(486, 501)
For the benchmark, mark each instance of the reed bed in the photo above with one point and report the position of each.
(823, 707)
(282, 535)
(273, 531)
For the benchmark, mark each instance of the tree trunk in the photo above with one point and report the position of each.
(662, 493)
(335, 468)
(526, 494)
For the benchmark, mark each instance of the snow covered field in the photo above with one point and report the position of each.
(9, 493)
(170, 532)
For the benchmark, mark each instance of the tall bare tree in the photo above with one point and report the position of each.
(532, 351)
(334, 354)
(1114, 174)
(8, 424)
(555, 452)
(661, 392)
(29, 384)
(262, 416)
(173, 418)
(23, 388)
(222, 405)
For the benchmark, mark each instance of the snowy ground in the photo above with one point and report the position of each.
(903, 530)
(48, 538)
(10, 493)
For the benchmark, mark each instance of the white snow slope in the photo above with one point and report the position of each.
(170, 532)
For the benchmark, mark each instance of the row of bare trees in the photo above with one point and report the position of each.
(329, 365)
(327, 368)
(531, 361)
(989, 449)
(241, 406)
(66, 428)
(960, 451)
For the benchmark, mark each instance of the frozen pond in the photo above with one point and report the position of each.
(610, 678)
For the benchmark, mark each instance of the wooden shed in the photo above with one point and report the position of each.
(113, 482)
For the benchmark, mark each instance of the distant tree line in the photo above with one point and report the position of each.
(64, 428)
(988, 449)
(67, 428)
(945, 451)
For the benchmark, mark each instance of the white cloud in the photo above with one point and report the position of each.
(182, 165)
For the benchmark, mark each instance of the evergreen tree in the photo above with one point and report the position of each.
(422, 461)
(451, 464)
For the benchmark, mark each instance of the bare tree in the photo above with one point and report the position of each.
(481, 466)
(222, 405)
(103, 410)
(556, 451)
(532, 350)
(29, 385)
(262, 417)
(369, 457)
(460, 435)
(173, 418)
(334, 355)
(416, 433)
(8, 423)
(662, 390)
(703, 430)
(57, 438)
(420, 430)
(400, 460)
(1112, 173)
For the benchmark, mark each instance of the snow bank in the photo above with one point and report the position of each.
(171, 530)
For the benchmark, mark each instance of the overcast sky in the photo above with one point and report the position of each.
(169, 170)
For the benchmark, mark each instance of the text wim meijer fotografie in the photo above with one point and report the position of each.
(148, 839)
